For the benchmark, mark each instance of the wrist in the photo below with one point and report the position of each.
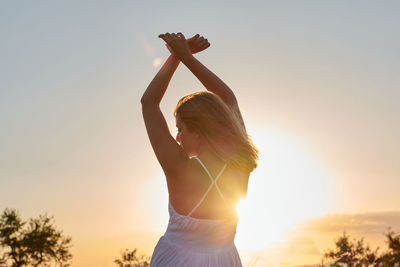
(187, 58)
(174, 58)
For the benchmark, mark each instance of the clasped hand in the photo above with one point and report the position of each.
(181, 47)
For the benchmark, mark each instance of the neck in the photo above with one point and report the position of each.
(209, 158)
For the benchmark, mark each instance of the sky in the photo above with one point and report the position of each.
(317, 83)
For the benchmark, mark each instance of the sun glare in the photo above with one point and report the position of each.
(155, 198)
(288, 186)
(157, 62)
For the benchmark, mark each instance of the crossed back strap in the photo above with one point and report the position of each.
(213, 183)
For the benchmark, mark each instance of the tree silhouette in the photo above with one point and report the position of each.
(132, 259)
(351, 254)
(33, 243)
(357, 254)
(391, 257)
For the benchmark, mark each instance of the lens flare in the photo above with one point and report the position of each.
(288, 186)
(157, 62)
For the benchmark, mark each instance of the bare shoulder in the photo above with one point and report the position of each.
(179, 180)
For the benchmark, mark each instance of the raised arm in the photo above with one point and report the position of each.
(169, 154)
(157, 87)
(210, 81)
(155, 91)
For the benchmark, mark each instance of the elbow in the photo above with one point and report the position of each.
(142, 100)
(145, 101)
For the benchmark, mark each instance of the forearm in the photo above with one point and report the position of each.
(157, 87)
(210, 81)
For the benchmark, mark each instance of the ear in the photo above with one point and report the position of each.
(200, 139)
(197, 135)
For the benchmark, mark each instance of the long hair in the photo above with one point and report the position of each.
(220, 127)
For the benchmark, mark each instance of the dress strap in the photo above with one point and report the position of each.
(213, 182)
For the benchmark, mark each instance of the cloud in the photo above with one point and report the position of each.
(305, 245)
(361, 223)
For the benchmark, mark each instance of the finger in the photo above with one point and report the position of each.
(200, 40)
(203, 42)
(166, 37)
(181, 35)
(194, 37)
(162, 36)
(203, 46)
(174, 38)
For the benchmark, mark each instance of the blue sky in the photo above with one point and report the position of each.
(72, 140)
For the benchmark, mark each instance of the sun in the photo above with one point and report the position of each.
(288, 186)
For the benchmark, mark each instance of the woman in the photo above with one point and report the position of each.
(207, 166)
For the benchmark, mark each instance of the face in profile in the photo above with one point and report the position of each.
(187, 139)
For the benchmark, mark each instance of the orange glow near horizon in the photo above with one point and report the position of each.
(288, 186)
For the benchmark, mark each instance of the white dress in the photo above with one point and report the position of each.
(196, 242)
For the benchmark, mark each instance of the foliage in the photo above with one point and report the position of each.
(391, 257)
(33, 243)
(357, 254)
(132, 259)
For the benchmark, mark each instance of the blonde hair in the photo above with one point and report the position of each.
(220, 127)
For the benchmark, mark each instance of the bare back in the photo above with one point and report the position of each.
(195, 183)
